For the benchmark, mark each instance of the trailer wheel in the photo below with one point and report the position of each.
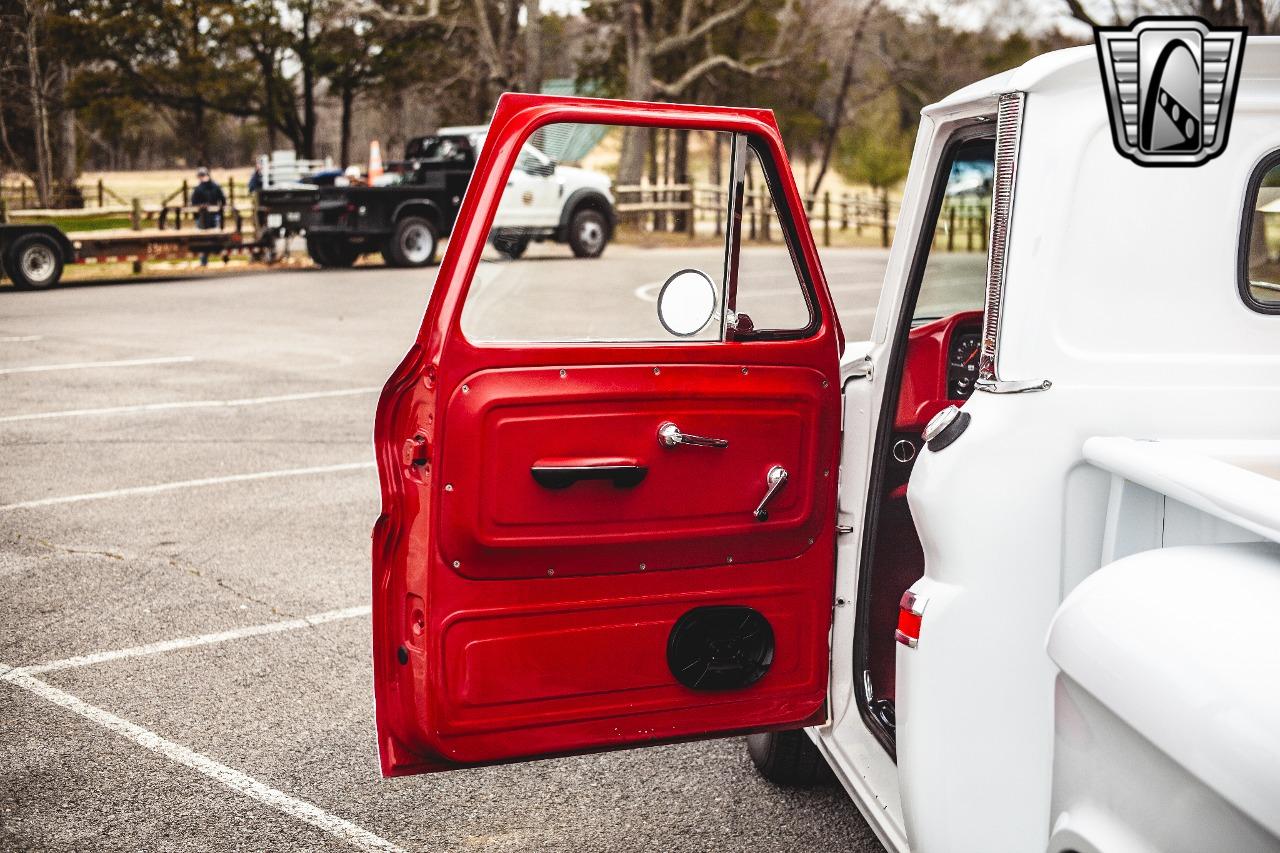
(412, 244)
(34, 262)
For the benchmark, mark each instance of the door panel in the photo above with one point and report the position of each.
(544, 566)
(693, 504)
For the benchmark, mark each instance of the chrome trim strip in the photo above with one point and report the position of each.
(1009, 114)
(738, 154)
(1012, 386)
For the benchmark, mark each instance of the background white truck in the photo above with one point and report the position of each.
(545, 200)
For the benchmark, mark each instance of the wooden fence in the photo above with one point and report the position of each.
(96, 195)
(139, 216)
(695, 209)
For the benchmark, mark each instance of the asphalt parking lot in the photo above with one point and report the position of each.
(185, 507)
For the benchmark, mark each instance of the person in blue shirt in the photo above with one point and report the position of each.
(207, 196)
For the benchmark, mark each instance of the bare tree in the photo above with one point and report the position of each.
(532, 46)
(644, 51)
(839, 108)
(494, 30)
(68, 165)
(36, 14)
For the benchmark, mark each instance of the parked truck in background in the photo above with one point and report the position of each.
(405, 214)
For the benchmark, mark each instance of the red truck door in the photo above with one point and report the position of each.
(601, 527)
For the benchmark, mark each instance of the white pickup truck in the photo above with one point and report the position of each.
(547, 200)
(1006, 566)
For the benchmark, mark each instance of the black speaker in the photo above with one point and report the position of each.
(720, 648)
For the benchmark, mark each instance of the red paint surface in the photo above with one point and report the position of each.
(548, 636)
(924, 376)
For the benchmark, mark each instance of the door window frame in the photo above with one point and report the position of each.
(959, 137)
(741, 148)
(1265, 165)
(757, 142)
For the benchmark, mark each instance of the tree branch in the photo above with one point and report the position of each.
(686, 36)
(1077, 10)
(375, 10)
(710, 64)
(490, 53)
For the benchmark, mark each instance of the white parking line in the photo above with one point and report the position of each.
(198, 640)
(191, 404)
(88, 365)
(186, 484)
(19, 339)
(358, 837)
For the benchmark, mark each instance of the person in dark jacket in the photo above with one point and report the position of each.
(207, 196)
(255, 180)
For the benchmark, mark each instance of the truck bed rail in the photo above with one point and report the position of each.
(1237, 481)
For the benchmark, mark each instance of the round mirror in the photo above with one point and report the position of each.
(686, 302)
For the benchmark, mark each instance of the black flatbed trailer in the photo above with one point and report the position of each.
(33, 256)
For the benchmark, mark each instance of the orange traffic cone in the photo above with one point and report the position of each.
(375, 161)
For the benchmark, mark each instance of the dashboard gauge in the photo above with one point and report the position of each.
(962, 364)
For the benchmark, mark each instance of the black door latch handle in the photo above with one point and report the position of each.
(563, 473)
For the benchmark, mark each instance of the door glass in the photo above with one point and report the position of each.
(955, 273)
(575, 255)
(1263, 242)
(769, 296)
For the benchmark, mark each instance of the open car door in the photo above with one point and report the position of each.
(604, 523)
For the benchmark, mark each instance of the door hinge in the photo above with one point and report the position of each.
(861, 369)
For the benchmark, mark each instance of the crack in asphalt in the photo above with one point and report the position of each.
(67, 549)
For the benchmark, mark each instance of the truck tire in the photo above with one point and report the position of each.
(788, 758)
(588, 233)
(342, 254)
(512, 245)
(34, 262)
(332, 251)
(412, 243)
(318, 249)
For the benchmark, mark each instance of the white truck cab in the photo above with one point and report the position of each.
(545, 200)
(1007, 566)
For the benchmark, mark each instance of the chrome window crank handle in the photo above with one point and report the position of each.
(774, 481)
(669, 435)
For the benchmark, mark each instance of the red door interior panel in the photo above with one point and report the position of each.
(693, 505)
(543, 564)
(924, 375)
(597, 661)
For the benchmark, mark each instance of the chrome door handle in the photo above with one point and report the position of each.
(774, 481)
(669, 435)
